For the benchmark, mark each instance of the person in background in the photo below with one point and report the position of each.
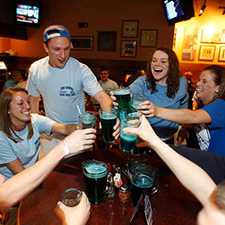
(23, 82)
(61, 81)
(15, 77)
(132, 78)
(165, 87)
(106, 83)
(195, 179)
(191, 88)
(23, 183)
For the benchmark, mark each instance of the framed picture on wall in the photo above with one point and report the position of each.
(206, 53)
(128, 48)
(148, 38)
(221, 57)
(130, 28)
(82, 43)
(107, 41)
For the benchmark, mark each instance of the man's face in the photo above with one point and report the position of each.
(58, 49)
(104, 75)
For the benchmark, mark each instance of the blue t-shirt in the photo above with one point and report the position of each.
(9, 83)
(216, 111)
(163, 128)
(25, 150)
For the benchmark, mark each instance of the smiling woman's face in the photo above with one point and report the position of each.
(160, 67)
(19, 110)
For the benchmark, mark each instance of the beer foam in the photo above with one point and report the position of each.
(122, 91)
(96, 171)
(142, 181)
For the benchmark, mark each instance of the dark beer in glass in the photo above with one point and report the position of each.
(108, 118)
(95, 173)
(123, 97)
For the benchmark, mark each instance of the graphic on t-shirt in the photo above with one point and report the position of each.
(203, 136)
(37, 143)
(66, 91)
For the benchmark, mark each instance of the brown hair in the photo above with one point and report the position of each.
(174, 74)
(5, 123)
(219, 79)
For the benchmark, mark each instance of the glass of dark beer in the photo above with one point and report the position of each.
(128, 141)
(123, 97)
(95, 173)
(108, 116)
(71, 197)
(142, 177)
(87, 120)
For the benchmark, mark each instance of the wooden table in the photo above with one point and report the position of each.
(172, 204)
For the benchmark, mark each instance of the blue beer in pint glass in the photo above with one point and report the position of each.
(95, 173)
(137, 99)
(108, 116)
(123, 97)
(142, 177)
(87, 120)
(128, 141)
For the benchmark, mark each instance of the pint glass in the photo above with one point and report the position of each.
(108, 116)
(95, 173)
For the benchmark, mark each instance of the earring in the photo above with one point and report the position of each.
(217, 91)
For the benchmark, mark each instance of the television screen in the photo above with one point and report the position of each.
(178, 10)
(28, 13)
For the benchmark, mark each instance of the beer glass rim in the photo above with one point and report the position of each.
(78, 195)
(103, 109)
(121, 89)
(96, 162)
(93, 116)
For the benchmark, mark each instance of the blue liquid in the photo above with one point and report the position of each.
(95, 180)
(138, 184)
(127, 142)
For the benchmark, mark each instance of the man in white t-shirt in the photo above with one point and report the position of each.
(61, 80)
(106, 83)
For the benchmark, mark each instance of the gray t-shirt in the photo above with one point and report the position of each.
(109, 84)
(62, 89)
(26, 150)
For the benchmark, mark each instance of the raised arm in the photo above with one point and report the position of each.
(20, 185)
(181, 116)
(189, 174)
(34, 104)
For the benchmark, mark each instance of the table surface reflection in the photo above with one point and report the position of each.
(172, 204)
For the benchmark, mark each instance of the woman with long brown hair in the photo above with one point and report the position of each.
(20, 131)
(165, 87)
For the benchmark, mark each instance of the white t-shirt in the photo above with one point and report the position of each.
(62, 89)
(109, 84)
(25, 150)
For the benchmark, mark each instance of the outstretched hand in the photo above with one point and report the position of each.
(144, 131)
(148, 109)
(81, 140)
